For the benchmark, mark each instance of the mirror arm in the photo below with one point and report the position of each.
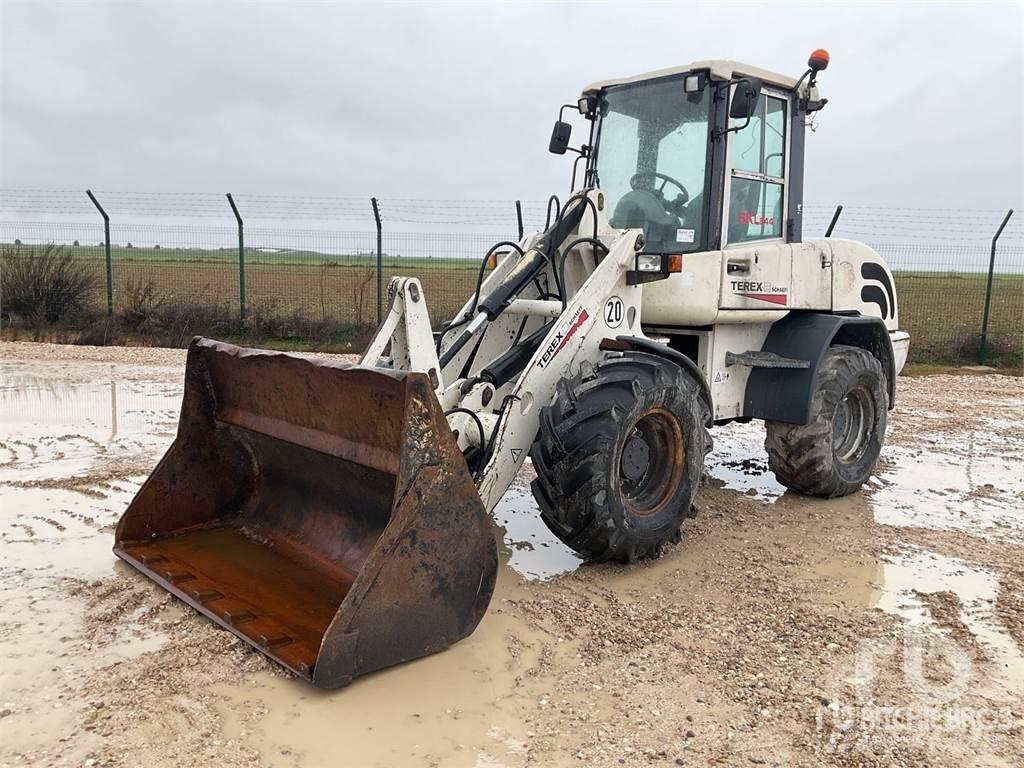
(720, 132)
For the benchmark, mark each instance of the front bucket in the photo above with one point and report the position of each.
(321, 512)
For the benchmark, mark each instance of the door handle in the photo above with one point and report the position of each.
(732, 267)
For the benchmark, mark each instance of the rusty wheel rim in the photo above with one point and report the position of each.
(651, 462)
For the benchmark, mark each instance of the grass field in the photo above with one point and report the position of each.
(942, 311)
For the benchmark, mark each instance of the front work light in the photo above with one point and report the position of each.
(648, 262)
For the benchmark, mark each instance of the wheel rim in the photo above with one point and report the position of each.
(851, 424)
(651, 462)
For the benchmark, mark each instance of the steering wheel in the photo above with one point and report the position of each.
(676, 206)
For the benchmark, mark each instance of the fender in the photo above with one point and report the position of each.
(784, 394)
(637, 344)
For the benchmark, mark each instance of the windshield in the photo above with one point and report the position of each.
(652, 161)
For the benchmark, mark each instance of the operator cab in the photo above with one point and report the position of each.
(700, 156)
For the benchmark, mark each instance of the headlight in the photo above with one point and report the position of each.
(648, 262)
(655, 262)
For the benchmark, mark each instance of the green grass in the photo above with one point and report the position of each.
(283, 257)
(943, 314)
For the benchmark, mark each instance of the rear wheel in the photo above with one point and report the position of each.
(834, 453)
(619, 456)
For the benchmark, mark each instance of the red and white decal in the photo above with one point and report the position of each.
(773, 298)
(762, 290)
(565, 332)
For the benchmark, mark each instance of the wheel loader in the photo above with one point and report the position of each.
(335, 516)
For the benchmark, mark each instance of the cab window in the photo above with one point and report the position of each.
(651, 161)
(757, 176)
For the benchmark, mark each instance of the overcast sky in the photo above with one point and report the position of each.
(457, 100)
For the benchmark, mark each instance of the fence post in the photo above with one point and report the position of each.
(241, 258)
(988, 289)
(106, 244)
(835, 218)
(519, 218)
(380, 256)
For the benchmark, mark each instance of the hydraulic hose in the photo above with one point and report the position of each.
(524, 271)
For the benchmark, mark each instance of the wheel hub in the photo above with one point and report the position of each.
(851, 424)
(636, 457)
(651, 462)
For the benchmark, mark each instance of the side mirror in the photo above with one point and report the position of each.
(744, 99)
(560, 138)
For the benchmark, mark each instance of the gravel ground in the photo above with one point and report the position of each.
(886, 628)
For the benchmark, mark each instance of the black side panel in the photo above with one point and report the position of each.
(784, 394)
(869, 270)
(872, 294)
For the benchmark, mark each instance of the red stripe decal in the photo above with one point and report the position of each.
(572, 329)
(774, 298)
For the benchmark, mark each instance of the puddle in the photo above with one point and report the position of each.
(453, 708)
(974, 488)
(74, 449)
(740, 462)
(907, 578)
(534, 551)
(72, 455)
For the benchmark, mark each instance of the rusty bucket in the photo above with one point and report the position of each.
(322, 512)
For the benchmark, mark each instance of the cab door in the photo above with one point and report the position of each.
(758, 276)
(757, 262)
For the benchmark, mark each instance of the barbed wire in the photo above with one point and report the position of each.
(929, 225)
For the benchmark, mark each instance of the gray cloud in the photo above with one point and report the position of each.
(456, 100)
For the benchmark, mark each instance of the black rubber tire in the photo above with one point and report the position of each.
(585, 498)
(822, 457)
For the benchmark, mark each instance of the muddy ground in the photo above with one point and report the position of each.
(886, 628)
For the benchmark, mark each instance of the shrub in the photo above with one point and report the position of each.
(141, 302)
(48, 285)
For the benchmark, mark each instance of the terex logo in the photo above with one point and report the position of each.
(762, 290)
(747, 285)
(565, 332)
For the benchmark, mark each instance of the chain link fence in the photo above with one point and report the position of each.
(306, 267)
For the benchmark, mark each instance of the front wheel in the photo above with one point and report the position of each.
(833, 454)
(619, 456)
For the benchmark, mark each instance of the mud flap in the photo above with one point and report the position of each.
(321, 512)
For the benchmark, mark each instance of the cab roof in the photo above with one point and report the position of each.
(720, 70)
